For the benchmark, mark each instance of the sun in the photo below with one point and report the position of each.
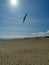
(14, 2)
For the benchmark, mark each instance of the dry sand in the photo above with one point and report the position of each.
(24, 52)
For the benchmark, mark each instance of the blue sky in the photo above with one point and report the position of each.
(11, 24)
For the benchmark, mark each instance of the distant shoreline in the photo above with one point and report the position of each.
(25, 38)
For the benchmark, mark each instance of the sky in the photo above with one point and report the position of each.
(36, 23)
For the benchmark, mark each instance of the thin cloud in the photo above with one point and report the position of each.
(40, 34)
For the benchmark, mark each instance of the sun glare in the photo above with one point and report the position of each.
(14, 2)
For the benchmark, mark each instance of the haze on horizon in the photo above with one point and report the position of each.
(11, 15)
